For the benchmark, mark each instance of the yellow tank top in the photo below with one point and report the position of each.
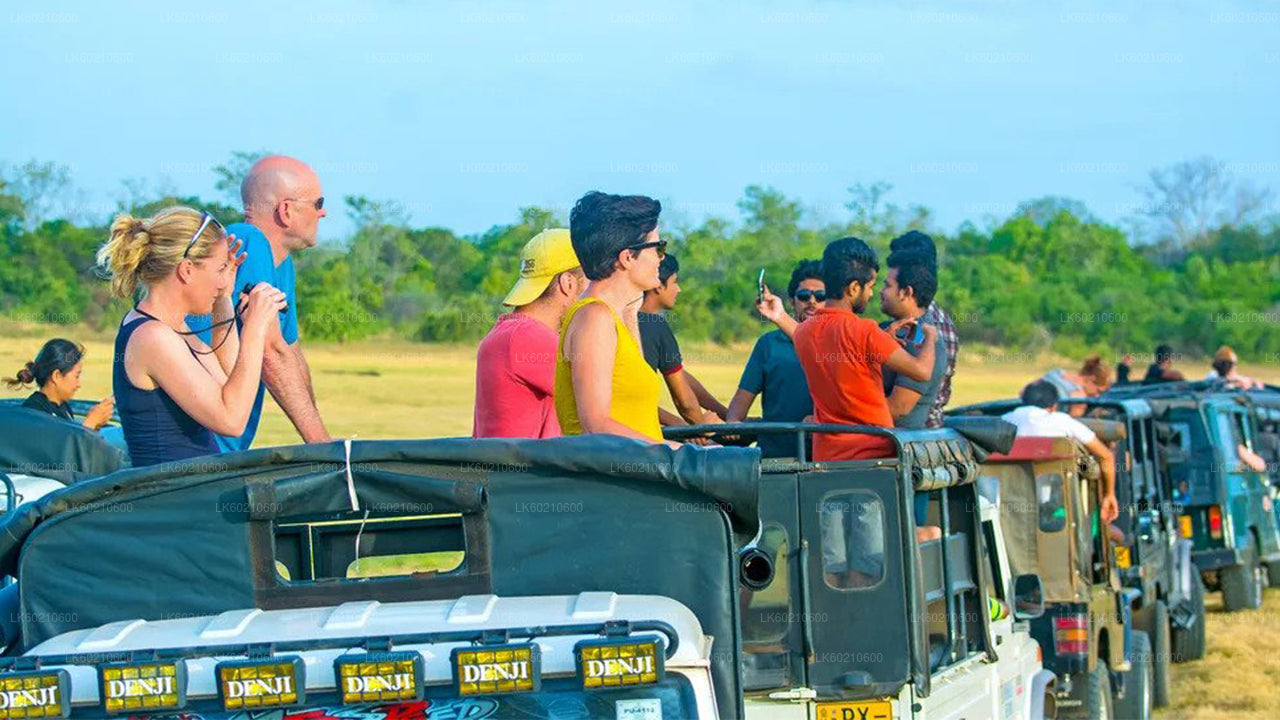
(636, 386)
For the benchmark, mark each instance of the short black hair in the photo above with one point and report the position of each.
(915, 272)
(917, 242)
(806, 270)
(668, 267)
(1163, 352)
(1041, 394)
(602, 225)
(845, 261)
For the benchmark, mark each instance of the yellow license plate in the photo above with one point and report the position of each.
(875, 710)
(1122, 556)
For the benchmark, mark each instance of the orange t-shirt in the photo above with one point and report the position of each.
(842, 355)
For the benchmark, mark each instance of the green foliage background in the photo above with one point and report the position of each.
(1048, 278)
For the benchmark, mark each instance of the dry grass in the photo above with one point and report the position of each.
(396, 389)
(1236, 680)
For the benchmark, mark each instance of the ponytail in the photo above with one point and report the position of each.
(124, 253)
(143, 251)
(57, 354)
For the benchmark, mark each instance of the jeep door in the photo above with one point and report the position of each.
(1249, 500)
(853, 518)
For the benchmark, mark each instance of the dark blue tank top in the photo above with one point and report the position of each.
(155, 428)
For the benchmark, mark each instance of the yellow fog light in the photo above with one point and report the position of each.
(276, 682)
(40, 694)
(612, 663)
(496, 669)
(378, 677)
(143, 686)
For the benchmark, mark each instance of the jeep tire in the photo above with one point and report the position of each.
(1138, 701)
(1189, 643)
(1242, 584)
(1098, 700)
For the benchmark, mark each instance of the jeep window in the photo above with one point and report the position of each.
(1050, 503)
(359, 547)
(852, 531)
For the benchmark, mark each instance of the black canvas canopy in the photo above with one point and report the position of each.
(37, 443)
(545, 517)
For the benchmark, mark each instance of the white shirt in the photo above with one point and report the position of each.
(1038, 422)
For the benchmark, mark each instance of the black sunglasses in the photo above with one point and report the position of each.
(805, 295)
(318, 202)
(205, 222)
(659, 245)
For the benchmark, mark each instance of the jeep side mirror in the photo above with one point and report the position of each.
(1028, 597)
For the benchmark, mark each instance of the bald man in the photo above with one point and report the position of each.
(283, 204)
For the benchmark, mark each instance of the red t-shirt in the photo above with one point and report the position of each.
(842, 355)
(516, 379)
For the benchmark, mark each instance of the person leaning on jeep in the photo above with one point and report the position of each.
(920, 243)
(662, 352)
(516, 361)
(774, 370)
(1039, 417)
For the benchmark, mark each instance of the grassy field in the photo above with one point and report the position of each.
(395, 389)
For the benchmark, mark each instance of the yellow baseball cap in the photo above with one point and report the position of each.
(548, 254)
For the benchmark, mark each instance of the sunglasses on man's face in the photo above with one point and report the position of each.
(807, 295)
(318, 203)
(205, 222)
(659, 245)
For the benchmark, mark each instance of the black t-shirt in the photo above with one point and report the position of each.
(38, 401)
(661, 350)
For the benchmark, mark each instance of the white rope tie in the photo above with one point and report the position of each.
(351, 483)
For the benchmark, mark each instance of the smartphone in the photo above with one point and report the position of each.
(760, 286)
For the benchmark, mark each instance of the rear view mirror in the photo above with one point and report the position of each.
(1028, 597)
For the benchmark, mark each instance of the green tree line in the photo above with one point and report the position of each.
(1050, 276)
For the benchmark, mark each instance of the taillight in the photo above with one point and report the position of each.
(1215, 522)
(1071, 634)
(1184, 523)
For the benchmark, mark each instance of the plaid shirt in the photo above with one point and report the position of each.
(938, 318)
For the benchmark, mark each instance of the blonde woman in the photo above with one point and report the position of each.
(173, 392)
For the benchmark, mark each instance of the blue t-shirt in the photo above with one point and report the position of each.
(774, 369)
(259, 266)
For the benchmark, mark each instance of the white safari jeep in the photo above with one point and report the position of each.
(848, 616)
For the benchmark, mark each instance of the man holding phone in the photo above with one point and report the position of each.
(773, 368)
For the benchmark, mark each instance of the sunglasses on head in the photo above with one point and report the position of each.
(659, 245)
(318, 203)
(205, 222)
(806, 295)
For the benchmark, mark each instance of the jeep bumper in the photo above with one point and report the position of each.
(1215, 559)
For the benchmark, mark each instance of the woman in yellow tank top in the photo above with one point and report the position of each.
(603, 384)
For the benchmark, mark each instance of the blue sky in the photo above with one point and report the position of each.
(463, 112)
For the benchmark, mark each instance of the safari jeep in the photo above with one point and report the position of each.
(1228, 509)
(571, 578)
(1150, 554)
(846, 616)
(1048, 494)
(40, 453)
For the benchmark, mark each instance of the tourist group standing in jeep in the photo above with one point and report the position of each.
(876, 558)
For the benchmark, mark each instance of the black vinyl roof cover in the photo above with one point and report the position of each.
(37, 443)
(728, 475)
